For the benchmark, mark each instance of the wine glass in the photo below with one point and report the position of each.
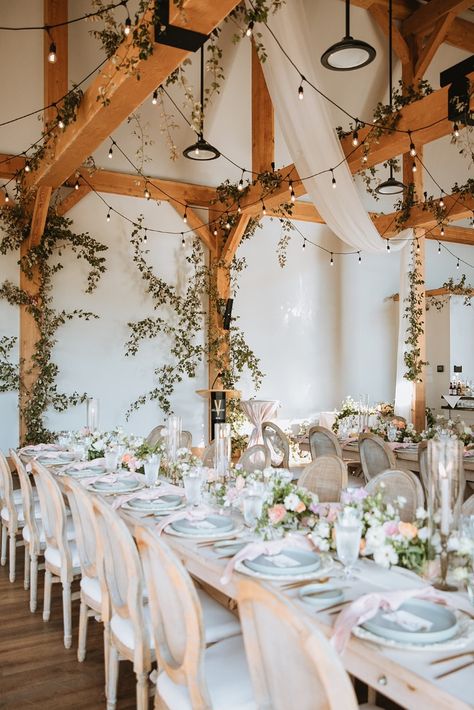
(79, 451)
(348, 534)
(252, 506)
(111, 459)
(152, 470)
(193, 481)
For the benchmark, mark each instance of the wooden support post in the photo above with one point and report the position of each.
(263, 124)
(55, 75)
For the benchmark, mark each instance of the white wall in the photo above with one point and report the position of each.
(322, 332)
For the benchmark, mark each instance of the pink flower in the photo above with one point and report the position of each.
(240, 483)
(390, 527)
(276, 513)
(332, 512)
(353, 495)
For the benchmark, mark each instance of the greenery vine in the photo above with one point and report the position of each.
(414, 314)
(37, 388)
(9, 369)
(459, 288)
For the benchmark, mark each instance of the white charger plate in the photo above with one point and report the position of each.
(308, 562)
(326, 564)
(206, 535)
(117, 488)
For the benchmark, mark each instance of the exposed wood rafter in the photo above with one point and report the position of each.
(430, 13)
(263, 124)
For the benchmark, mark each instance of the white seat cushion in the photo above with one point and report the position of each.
(51, 555)
(70, 531)
(227, 677)
(219, 623)
(91, 587)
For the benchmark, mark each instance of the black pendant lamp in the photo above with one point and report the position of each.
(392, 186)
(201, 150)
(349, 53)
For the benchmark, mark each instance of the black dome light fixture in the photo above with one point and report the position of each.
(392, 186)
(201, 149)
(349, 53)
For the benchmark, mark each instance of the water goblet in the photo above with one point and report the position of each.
(391, 432)
(152, 471)
(79, 451)
(252, 506)
(348, 534)
(111, 459)
(192, 481)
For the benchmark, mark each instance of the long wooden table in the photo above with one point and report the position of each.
(404, 676)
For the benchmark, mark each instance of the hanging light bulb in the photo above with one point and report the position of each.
(52, 56)
(201, 149)
(76, 184)
(413, 167)
(365, 158)
(442, 231)
(333, 181)
(239, 209)
(108, 215)
(439, 247)
(388, 245)
(412, 146)
(457, 265)
(27, 167)
(228, 224)
(185, 216)
(355, 139)
(154, 99)
(417, 246)
(111, 153)
(183, 240)
(145, 237)
(249, 29)
(240, 186)
(7, 198)
(441, 201)
(128, 27)
(456, 130)
(304, 243)
(331, 263)
(360, 258)
(146, 193)
(61, 123)
(301, 90)
(264, 209)
(215, 232)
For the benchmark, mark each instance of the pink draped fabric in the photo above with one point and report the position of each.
(258, 411)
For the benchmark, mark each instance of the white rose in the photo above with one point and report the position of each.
(291, 501)
(374, 538)
(320, 543)
(324, 529)
(421, 513)
(385, 556)
(423, 533)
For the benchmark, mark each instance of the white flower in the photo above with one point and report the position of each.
(423, 534)
(390, 510)
(421, 513)
(460, 573)
(323, 529)
(291, 501)
(401, 500)
(374, 538)
(321, 543)
(385, 556)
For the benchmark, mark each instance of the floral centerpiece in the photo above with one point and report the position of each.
(385, 410)
(349, 408)
(287, 506)
(455, 428)
(185, 461)
(139, 452)
(405, 432)
(385, 537)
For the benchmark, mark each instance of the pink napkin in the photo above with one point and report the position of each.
(401, 444)
(41, 447)
(80, 465)
(148, 494)
(367, 606)
(190, 514)
(109, 478)
(271, 547)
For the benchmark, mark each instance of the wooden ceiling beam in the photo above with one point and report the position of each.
(428, 47)
(56, 74)
(234, 238)
(10, 165)
(96, 119)
(196, 224)
(72, 199)
(301, 212)
(455, 208)
(380, 15)
(429, 14)
(454, 234)
(263, 123)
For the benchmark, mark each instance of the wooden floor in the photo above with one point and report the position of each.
(36, 671)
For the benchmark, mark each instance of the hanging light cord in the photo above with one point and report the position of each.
(45, 28)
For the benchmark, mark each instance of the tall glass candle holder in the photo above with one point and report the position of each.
(223, 449)
(173, 434)
(446, 488)
(92, 414)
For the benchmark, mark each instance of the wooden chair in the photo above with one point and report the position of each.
(467, 507)
(186, 440)
(277, 442)
(61, 558)
(80, 504)
(125, 616)
(375, 455)
(323, 442)
(292, 665)
(191, 677)
(13, 521)
(33, 533)
(255, 458)
(326, 476)
(395, 483)
(155, 435)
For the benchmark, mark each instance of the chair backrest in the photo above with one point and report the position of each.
(323, 442)
(28, 503)
(120, 572)
(394, 484)
(209, 455)
(291, 663)
(423, 466)
(155, 435)
(326, 476)
(176, 616)
(186, 440)
(6, 492)
(467, 507)
(277, 442)
(255, 458)
(80, 504)
(53, 515)
(375, 455)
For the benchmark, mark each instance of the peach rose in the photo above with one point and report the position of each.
(300, 508)
(407, 530)
(276, 513)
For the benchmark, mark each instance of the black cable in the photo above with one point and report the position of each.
(45, 28)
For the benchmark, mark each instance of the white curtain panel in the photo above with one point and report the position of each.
(313, 144)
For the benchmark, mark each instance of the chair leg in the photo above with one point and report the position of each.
(112, 677)
(3, 557)
(48, 582)
(106, 656)
(67, 614)
(33, 582)
(26, 581)
(142, 691)
(82, 642)
(12, 556)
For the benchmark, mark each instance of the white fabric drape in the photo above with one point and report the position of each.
(314, 146)
(258, 411)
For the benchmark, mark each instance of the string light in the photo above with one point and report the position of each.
(239, 209)
(145, 238)
(215, 232)
(240, 186)
(413, 167)
(146, 193)
(108, 216)
(457, 265)
(7, 198)
(304, 243)
(61, 123)
(292, 192)
(249, 29)
(333, 181)
(441, 201)
(154, 100)
(456, 130)
(52, 56)
(331, 263)
(412, 146)
(442, 230)
(365, 158)
(388, 245)
(76, 184)
(355, 139)
(183, 240)
(185, 215)
(417, 246)
(301, 90)
(111, 153)
(264, 209)
(27, 167)
(360, 258)
(439, 247)
(128, 27)
(228, 224)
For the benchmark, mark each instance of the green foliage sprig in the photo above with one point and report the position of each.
(414, 314)
(9, 371)
(41, 262)
(454, 288)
